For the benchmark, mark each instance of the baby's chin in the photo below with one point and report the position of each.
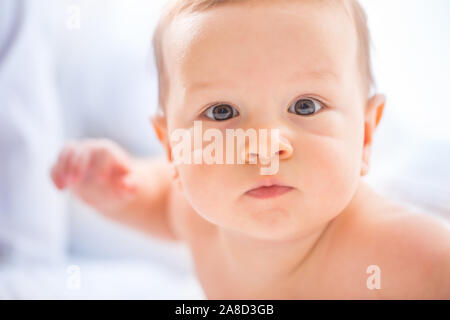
(279, 234)
(282, 218)
(276, 224)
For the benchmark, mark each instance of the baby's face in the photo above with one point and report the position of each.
(258, 63)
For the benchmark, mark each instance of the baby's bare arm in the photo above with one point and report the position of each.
(147, 210)
(130, 191)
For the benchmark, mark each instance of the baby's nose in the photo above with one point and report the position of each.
(279, 147)
(285, 149)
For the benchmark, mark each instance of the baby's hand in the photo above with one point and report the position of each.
(97, 171)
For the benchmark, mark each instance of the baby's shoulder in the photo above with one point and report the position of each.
(410, 249)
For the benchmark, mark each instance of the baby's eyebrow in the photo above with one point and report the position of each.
(202, 85)
(325, 74)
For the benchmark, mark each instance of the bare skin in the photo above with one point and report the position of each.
(330, 264)
(315, 241)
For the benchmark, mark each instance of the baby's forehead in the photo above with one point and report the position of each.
(305, 35)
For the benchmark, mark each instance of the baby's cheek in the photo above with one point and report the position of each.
(332, 173)
(204, 193)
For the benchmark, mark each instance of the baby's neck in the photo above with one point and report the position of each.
(267, 259)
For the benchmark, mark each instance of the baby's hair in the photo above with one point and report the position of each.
(177, 7)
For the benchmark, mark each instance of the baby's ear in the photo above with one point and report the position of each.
(159, 123)
(372, 116)
(375, 108)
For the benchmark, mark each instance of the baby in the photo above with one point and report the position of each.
(312, 228)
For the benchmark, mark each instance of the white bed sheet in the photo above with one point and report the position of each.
(98, 279)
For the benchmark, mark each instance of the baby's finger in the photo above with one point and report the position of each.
(59, 170)
(75, 166)
(56, 176)
(67, 164)
(82, 168)
(118, 170)
(97, 166)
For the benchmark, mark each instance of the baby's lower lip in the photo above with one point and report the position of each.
(268, 192)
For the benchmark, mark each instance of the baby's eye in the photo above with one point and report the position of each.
(305, 107)
(221, 112)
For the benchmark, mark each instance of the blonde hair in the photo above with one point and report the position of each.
(176, 7)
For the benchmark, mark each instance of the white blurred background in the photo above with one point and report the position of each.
(411, 60)
(83, 68)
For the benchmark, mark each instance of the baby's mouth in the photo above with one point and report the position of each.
(267, 190)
